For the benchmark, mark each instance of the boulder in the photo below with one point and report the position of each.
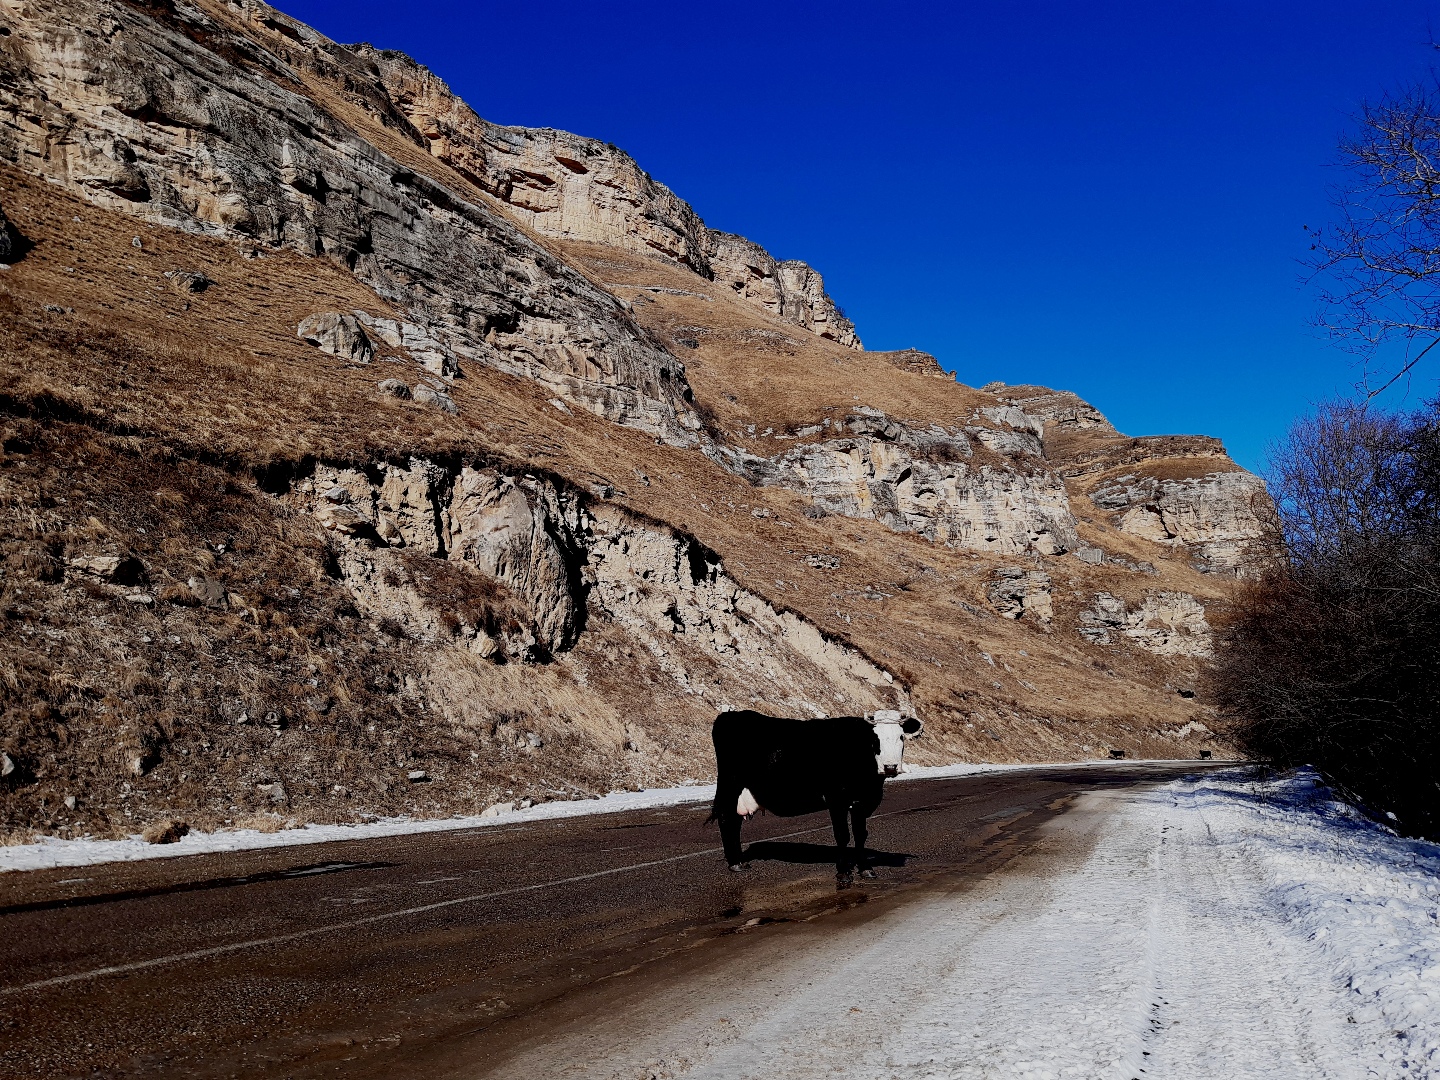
(209, 593)
(120, 569)
(188, 281)
(338, 334)
(395, 388)
(164, 831)
(437, 399)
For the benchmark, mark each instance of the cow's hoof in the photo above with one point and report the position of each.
(868, 875)
(843, 881)
(737, 867)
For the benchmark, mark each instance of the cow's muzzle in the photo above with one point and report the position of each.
(892, 770)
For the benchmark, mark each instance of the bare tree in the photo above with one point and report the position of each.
(1334, 657)
(1379, 263)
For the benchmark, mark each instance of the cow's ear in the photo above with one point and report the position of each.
(912, 726)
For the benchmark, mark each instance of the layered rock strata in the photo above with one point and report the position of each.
(562, 562)
(568, 186)
(1217, 517)
(929, 481)
(123, 106)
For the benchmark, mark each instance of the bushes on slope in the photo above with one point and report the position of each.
(1334, 659)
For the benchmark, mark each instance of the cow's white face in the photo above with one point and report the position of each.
(892, 731)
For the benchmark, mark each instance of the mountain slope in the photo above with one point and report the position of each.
(554, 472)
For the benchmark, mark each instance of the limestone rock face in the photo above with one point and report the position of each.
(337, 334)
(567, 562)
(791, 289)
(1216, 517)
(1166, 623)
(1179, 491)
(923, 480)
(509, 533)
(1018, 592)
(182, 135)
(568, 186)
(1052, 409)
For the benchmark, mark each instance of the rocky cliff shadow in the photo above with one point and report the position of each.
(784, 851)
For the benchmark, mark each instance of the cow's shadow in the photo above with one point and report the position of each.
(784, 851)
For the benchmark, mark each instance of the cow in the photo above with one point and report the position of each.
(792, 767)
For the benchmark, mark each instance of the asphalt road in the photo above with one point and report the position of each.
(436, 953)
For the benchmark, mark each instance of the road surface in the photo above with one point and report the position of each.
(478, 952)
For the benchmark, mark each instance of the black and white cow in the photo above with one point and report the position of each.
(792, 767)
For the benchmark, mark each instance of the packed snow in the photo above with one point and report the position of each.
(1218, 927)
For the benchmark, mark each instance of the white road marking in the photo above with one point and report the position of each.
(300, 935)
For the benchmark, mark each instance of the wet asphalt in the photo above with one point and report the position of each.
(383, 957)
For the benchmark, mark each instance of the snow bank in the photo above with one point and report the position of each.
(51, 852)
(1368, 900)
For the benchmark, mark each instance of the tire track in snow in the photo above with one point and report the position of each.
(1231, 990)
(1133, 945)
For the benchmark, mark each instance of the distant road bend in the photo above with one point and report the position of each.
(481, 952)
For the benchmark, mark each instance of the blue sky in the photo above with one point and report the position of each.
(1104, 197)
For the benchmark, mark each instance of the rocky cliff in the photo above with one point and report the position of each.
(564, 185)
(362, 456)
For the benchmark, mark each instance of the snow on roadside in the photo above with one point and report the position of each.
(51, 852)
(1366, 899)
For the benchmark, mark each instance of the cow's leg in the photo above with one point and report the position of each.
(838, 814)
(730, 821)
(862, 856)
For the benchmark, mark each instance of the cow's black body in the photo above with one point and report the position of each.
(795, 767)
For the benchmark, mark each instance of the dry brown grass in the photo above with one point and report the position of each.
(751, 368)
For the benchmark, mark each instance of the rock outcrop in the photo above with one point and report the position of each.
(1017, 592)
(930, 481)
(1054, 410)
(568, 186)
(1174, 490)
(338, 334)
(1165, 623)
(560, 562)
(790, 289)
(1216, 517)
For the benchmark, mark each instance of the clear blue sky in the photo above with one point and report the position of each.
(1105, 197)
